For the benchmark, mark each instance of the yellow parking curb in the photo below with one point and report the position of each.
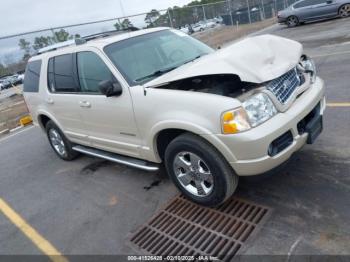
(26, 120)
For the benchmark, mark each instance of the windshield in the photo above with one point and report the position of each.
(143, 58)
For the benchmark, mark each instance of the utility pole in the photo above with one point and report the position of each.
(263, 9)
(170, 19)
(250, 19)
(204, 16)
(229, 8)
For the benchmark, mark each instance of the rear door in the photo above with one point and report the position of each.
(109, 120)
(63, 96)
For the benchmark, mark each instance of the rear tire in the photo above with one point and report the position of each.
(292, 21)
(199, 171)
(344, 11)
(59, 143)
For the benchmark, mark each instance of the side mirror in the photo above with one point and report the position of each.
(109, 88)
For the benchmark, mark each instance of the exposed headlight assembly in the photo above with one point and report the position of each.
(308, 65)
(256, 110)
(259, 109)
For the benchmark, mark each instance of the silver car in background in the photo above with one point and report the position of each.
(312, 10)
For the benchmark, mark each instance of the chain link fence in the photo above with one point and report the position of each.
(215, 24)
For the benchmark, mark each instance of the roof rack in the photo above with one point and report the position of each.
(108, 33)
(84, 39)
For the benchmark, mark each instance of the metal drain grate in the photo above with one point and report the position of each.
(186, 229)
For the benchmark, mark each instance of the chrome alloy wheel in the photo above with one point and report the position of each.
(292, 21)
(57, 142)
(344, 11)
(193, 174)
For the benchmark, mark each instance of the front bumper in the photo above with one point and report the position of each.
(250, 150)
(281, 20)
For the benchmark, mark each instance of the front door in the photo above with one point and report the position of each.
(109, 120)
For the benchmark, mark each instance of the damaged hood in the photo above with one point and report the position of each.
(254, 59)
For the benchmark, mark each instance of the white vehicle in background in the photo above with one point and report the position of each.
(203, 25)
(218, 20)
(185, 30)
(20, 77)
(210, 23)
(199, 27)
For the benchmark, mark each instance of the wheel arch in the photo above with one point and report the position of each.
(163, 136)
(43, 117)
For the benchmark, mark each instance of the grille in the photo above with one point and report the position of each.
(284, 86)
(183, 228)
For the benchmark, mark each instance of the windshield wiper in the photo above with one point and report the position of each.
(197, 57)
(156, 73)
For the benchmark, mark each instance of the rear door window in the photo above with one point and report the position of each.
(61, 77)
(32, 77)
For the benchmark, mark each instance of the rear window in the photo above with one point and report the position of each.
(32, 77)
(61, 74)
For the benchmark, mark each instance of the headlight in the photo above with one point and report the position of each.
(234, 121)
(309, 66)
(259, 109)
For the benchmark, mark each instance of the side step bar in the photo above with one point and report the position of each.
(128, 161)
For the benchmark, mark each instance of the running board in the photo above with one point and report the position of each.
(128, 161)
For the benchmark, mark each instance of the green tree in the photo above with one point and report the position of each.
(152, 16)
(3, 70)
(56, 37)
(118, 26)
(126, 23)
(24, 45)
(42, 41)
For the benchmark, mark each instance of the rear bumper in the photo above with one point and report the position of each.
(250, 149)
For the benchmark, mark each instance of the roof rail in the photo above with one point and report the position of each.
(56, 46)
(84, 39)
(109, 33)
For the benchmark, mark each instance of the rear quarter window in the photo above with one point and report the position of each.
(32, 77)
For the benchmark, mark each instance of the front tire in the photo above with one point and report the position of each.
(292, 21)
(199, 171)
(59, 143)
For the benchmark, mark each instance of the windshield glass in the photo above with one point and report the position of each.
(142, 58)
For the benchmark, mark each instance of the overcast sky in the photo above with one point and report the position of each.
(29, 15)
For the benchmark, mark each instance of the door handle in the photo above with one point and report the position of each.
(85, 104)
(49, 101)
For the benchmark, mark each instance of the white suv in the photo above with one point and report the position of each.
(159, 96)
